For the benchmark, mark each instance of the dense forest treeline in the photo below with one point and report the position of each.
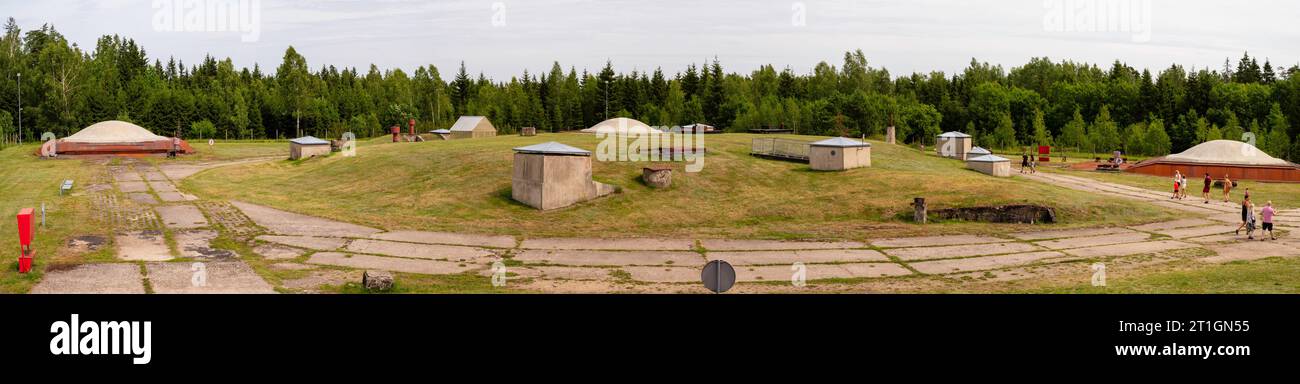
(1074, 105)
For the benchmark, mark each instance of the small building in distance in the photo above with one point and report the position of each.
(977, 152)
(839, 154)
(990, 165)
(444, 134)
(552, 175)
(472, 127)
(953, 145)
(307, 146)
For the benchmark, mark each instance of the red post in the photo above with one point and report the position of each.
(412, 126)
(396, 131)
(25, 240)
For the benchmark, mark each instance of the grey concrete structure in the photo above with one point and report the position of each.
(307, 146)
(839, 154)
(953, 145)
(472, 127)
(553, 175)
(990, 165)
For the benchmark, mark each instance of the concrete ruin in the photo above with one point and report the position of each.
(990, 165)
(839, 154)
(1031, 214)
(553, 175)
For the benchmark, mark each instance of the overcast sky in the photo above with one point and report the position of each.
(503, 38)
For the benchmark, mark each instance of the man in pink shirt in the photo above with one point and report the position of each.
(1267, 215)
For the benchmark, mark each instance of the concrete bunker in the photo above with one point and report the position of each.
(839, 154)
(990, 165)
(307, 146)
(953, 145)
(553, 175)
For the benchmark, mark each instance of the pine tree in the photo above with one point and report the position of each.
(1157, 140)
(1041, 135)
(1073, 133)
(1004, 136)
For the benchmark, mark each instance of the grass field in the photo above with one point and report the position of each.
(26, 182)
(465, 186)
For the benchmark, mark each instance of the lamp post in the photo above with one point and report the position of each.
(20, 108)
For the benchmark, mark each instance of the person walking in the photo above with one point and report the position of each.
(1184, 187)
(1033, 165)
(1178, 182)
(1205, 192)
(1227, 188)
(1267, 215)
(1024, 162)
(1247, 216)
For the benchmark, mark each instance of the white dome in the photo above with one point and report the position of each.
(622, 125)
(113, 131)
(1226, 152)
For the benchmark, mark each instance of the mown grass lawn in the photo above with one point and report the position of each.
(27, 181)
(464, 186)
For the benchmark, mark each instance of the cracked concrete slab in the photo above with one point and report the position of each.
(1129, 249)
(928, 253)
(630, 244)
(309, 242)
(175, 197)
(133, 186)
(770, 273)
(277, 252)
(805, 256)
(447, 238)
(928, 241)
(116, 278)
(316, 280)
(775, 245)
(198, 244)
(288, 223)
(1069, 233)
(1080, 242)
(1180, 223)
(142, 198)
(1212, 239)
(419, 251)
(614, 258)
(224, 277)
(569, 273)
(124, 175)
(153, 175)
(395, 264)
(142, 246)
(162, 186)
(183, 216)
(1182, 233)
(981, 263)
(1250, 250)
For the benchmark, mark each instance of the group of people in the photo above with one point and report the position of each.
(1028, 164)
(1248, 218)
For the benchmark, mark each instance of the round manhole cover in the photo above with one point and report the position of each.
(718, 276)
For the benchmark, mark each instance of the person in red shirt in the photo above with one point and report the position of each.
(1205, 192)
